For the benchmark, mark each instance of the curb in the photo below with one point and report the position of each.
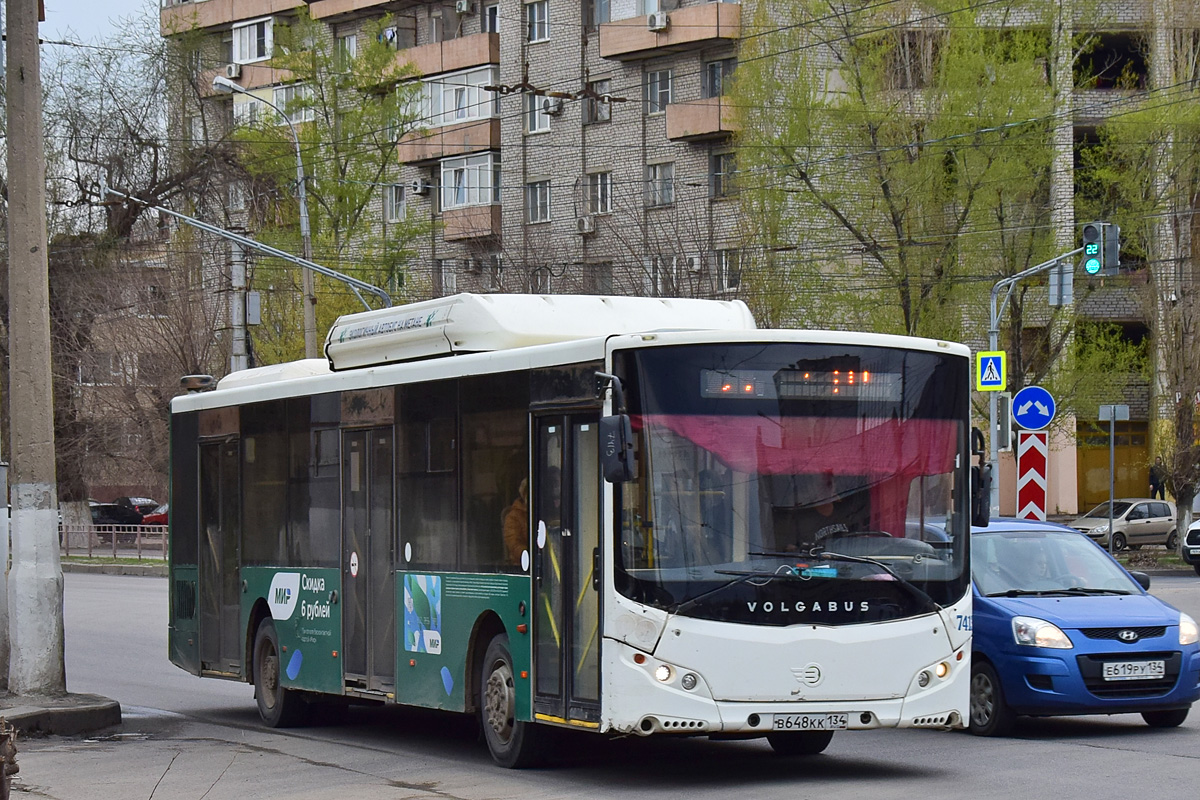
(151, 570)
(68, 715)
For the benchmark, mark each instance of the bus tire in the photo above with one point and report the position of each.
(799, 743)
(278, 707)
(513, 744)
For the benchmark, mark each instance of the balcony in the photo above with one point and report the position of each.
(690, 27)
(465, 52)
(324, 9)
(710, 118)
(471, 222)
(449, 140)
(180, 17)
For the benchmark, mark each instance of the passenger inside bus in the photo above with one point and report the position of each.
(516, 525)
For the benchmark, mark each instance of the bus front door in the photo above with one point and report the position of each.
(368, 576)
(220, 578)
(566, 563)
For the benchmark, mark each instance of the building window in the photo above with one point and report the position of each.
(460, 97)
(597, 108)
(536, 118)
(658, 91)
(447, 276)
(471, 181)
(236, 196)
(598, 277)
(660, 276)
(296, 101)
(539, 280)
(717, 75)
(347, 48)
(537, 20)
(194, 126)
(490, 19)
(729, 270)
(152, 301)
(660, 184)
(600, 193)
(252, 41)
(722, 172)
(597, 12)
(247, 111)
(393, 203)
(391, 37)
(537, 201)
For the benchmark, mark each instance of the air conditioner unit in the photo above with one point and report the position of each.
(419, 186)
(233, 71)
(552, 106)
(693, 263)
(463, 6)
(585, 225)
(657, 21)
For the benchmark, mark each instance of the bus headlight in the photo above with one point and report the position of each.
(662, 673)
(688, 681)
(1039, 633)
(1189, 633)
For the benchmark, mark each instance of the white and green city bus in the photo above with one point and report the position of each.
(622, 515)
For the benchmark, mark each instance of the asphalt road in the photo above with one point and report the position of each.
(190, 738)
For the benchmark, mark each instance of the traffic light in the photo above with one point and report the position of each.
(1093, 248)
(1112, 249)
(1101, 248)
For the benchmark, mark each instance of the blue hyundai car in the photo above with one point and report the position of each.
(1061, 628)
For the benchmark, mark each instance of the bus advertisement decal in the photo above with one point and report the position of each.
(423, 614)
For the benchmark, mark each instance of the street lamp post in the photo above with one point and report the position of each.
(224, 85)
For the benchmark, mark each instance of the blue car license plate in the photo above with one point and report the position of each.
(1134, 670)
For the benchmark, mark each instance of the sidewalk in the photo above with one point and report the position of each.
(156, 569)
(65, 715)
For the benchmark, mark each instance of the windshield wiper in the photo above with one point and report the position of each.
(819, 552)
(740, 577)
(1081, 591)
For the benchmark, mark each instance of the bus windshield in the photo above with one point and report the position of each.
(826, 480)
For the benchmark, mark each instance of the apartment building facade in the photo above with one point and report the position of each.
(562, 147)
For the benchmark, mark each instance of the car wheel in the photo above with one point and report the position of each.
(1196, 567)
(1173, 541)
(278, 707)
(799, 743)
(1165, 719)
(1118, 541)
(990, 714)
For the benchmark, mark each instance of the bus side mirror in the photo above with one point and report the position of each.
(981, 495)
(616, 449)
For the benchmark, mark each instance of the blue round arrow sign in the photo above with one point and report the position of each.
(1032, 408)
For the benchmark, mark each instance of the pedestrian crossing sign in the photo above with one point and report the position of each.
(991, 374)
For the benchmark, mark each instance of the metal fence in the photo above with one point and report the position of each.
(114, 541)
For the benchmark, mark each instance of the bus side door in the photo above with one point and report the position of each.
(566, 520)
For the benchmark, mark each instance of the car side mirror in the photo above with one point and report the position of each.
(981, 495)
(1143, 580)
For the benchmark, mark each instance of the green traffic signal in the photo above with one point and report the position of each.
(1093, 241)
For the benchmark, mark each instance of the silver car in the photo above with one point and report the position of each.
(1135, 521)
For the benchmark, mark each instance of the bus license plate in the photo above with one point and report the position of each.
(810, 722)
(1134, 670)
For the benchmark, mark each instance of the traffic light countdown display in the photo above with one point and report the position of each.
(1101, 248)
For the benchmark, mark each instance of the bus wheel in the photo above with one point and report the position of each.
(513, 744)
(799, 743)
(278, 707)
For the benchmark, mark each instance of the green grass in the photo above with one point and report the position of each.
(111, 560)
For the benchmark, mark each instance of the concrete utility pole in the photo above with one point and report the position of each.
(35, 582)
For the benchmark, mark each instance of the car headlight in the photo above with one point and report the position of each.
(1189, 632)
(1100, 529)
(1039, 633)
